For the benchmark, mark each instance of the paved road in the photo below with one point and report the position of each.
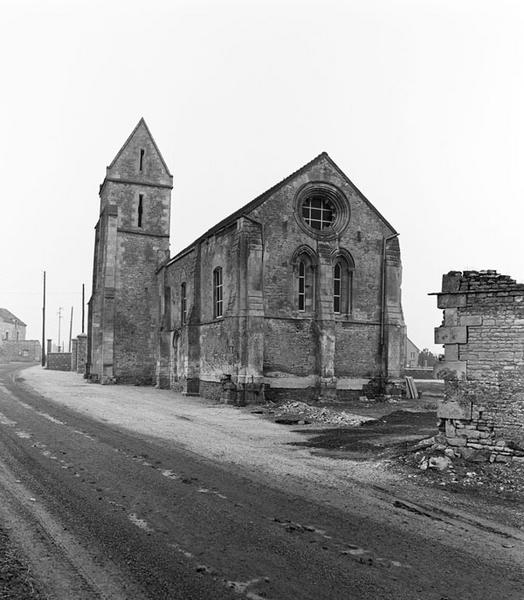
(105, 512)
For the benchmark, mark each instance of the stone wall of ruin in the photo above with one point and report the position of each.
(483, 337)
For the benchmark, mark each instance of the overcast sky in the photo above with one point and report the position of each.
(420, 102)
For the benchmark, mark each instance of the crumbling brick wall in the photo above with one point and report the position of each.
(483, 337)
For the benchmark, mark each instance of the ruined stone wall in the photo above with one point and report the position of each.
(483, 337)
(21, 351)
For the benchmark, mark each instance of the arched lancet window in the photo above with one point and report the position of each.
(183, 304)
(218, 299)
(301, 285)
(343, 267)
(304, 266)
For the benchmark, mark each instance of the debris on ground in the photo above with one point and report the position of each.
(293, 412)
(437, 464)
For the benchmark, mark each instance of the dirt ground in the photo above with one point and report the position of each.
(373, 442)
(115, 458)
(389, 434)
(16, 579)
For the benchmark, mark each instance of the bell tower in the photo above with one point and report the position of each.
(131, 240)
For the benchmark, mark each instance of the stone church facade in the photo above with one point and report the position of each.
(296, 294)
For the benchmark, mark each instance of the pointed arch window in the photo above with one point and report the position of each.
(343, 268)
(183, 304)
(301, 285)
(304, 267)
(218, 289)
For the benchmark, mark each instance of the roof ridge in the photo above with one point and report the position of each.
(260, 198)
(369, 204)
(248, 207)
(7, 315)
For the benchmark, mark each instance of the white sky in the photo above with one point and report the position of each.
(420, 102)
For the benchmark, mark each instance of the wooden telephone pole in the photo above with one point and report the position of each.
(59, 326)
(83, 306)
(43, 325)
(70, 329)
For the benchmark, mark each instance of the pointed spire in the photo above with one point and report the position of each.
(141, 124)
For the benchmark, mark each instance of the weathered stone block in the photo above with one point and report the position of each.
(451, 335)
(453, 410)
(456, 441)
(472, 433)
(475, 445)
(451, 281)
(503, 459)
(451, 352)
(450, 428)
(451, 317)
(451, 300)
(470, 320)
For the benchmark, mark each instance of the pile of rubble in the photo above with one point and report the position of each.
(446, 466)
(325, 415)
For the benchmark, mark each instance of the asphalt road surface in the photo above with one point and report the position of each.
(105, 512)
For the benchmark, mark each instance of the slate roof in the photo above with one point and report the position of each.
(9, 317)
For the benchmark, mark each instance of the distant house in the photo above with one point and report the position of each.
(412, 353)
(13, 345)
(12, 329)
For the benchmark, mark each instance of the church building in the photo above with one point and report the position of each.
(296, 294)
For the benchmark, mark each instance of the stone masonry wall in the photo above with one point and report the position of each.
(132, 241)
(262, 338)
(483, 337)
(294, 340)
(11, 331)
(21, 351)
(58, 361)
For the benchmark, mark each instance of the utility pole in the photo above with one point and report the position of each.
(83, 306)
(59, 325)
(70, 329)
(43, 325)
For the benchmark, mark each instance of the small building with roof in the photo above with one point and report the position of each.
(412, 353)
(14, 347)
